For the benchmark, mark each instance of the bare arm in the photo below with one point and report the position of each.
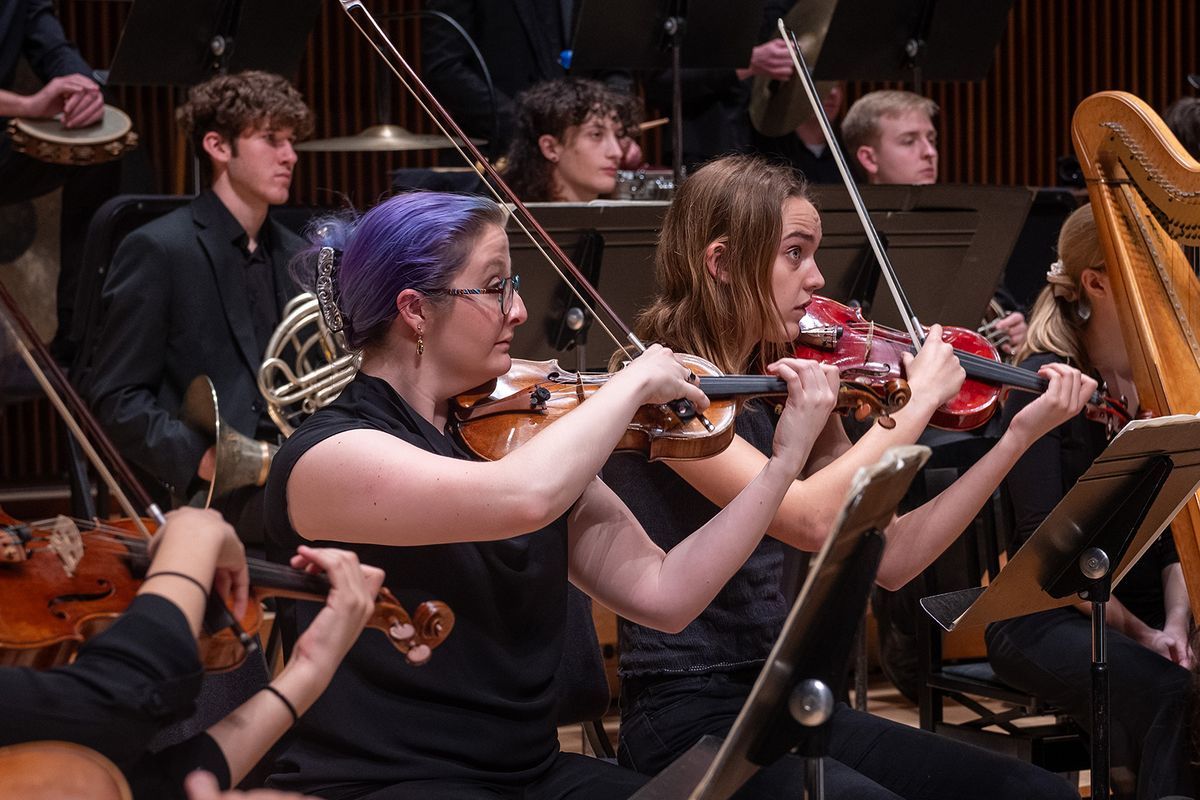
(807, 513)
(613, 559)
(202, 546)
(246, 734)
(927, 531)
(368, 486)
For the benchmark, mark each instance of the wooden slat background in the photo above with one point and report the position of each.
(1008, 129)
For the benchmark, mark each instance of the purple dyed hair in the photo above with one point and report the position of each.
(418, 240)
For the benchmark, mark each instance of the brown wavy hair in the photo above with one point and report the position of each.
(551, 107)
(738, 201)
(232, 104)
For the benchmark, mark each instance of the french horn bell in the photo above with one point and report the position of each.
(240, 460)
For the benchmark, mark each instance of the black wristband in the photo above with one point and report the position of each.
(183, 575)
(291, 708)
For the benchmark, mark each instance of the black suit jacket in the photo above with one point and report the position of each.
(519, 47)
(174, 306)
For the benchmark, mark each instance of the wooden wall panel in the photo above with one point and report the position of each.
(1008, 129)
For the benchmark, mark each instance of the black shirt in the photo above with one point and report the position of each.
(124, 686)
(483, 708)
(1048, 470)
(737, 630)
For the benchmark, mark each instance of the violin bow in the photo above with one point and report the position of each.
(76, 416)
(75, 413)
(911, 324)
(503, 193)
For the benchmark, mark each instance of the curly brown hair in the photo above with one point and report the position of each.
(229, 105)
(550, 108)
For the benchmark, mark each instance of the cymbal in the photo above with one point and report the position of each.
(380, 138)
(778, 108)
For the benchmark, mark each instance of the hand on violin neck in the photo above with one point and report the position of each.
(657, 376)
(1069, 390)
(200, 544)
(348, 606)
(812, 396)
(934, 374)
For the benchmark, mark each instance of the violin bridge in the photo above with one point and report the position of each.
(66, 543)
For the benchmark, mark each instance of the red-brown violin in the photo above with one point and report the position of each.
(838, 334)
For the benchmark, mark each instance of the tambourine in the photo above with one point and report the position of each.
(48, 140)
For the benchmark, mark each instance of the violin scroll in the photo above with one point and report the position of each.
(865, 400)
(415, 639)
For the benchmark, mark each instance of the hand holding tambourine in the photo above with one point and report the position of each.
(67, 122)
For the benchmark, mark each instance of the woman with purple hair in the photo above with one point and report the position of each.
(424, 287)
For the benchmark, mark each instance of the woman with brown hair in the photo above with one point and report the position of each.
(1075, 321)
(736, 270)
(426, 291)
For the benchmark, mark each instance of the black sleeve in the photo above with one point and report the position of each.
(160, 775)
(123, 687)
(130, 362)
(46, 46)
(451, 71)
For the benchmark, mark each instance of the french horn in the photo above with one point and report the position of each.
(304, 367)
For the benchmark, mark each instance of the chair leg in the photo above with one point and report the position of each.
(597, 739)
(860, 666)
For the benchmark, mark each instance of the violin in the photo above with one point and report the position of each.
(500, 416)
(60, 585)
(52, 770)
(838, 334)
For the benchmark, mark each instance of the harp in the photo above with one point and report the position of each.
(1145, 194)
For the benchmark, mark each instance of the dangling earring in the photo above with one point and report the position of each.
(1083, 309)
(420, 342)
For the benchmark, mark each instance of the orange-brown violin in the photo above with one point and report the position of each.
(62, 582)
(499, 417)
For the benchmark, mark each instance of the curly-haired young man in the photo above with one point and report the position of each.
(571, 136)
(200, 290)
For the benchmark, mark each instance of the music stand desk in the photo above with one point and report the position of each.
(1108, 519)
(807, 665)
(1018, 589)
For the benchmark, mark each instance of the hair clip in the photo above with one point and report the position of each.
(326, 288)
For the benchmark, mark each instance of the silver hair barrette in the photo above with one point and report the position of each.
(326, 289)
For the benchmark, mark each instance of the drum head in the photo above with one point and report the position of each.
(114, 124)
(47, 140)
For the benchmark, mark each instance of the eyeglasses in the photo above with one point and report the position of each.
(505, 289)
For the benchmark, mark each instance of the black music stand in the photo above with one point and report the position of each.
(792, 701)
(184, 42)
(914, 42)
(620, 239)
(652, 36)
(948, 243)
(1087, 544)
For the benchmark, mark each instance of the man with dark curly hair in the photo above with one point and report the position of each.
(571, 136)
(200, 291)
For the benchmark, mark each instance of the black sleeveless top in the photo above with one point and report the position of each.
(483, 707)
(738, 628)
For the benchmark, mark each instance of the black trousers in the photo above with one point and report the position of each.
(570, 777)
(1049, 655)
(870, 758)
